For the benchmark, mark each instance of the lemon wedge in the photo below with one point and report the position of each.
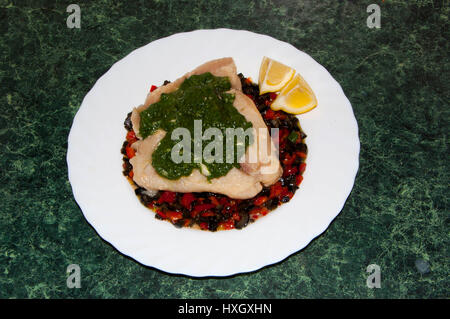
(296, 97)
(273, 75)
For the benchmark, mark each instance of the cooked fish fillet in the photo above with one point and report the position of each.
(236, 184)
(258, 167)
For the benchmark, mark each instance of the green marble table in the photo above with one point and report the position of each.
(396, 77)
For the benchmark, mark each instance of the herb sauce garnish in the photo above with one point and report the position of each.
(200, 97)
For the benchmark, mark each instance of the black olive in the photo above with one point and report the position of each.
(301, 147)
(166, 82)
(176, 207)
(265, 191)
(245, 217)
(179, 223)
(139, 190)
(128, 124)
(285, 199)
(213, 223)
(245, 205)
(123, 150)
(272, 203)
(186, 213)
(163, 207)
(128, 167)
(146, 199)
(297, 161)
(205, 194)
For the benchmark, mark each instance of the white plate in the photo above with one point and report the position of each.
(108, 201)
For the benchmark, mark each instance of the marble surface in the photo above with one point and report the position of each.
(396, 77)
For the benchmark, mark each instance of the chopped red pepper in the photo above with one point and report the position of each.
(229, 224)
(214, 200)
(289, 170)
(258, 211)
(302, 168)
(202, 207)
(288, 159)
(131, 174)
(284, 132)
(187, 221)
(154, 87)
(300, 154)
(223, 201)
(299, 179)
(273, 96)
(130, 152)
(174, 216)
(270, 115)
(285, 193)
(204, 226)
(276, 190)
(131, 137)
(260, 200)
(160, 213)
(187, 200)
(208, 213)
(167, 197)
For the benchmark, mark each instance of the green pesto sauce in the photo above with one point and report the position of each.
(200, 97)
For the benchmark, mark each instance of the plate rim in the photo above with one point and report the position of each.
(105, 237)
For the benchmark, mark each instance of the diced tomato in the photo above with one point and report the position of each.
(130, 151)
(174, 216)
(203, 207)
(273, 96)
(260, 200)
(153, 87)
(204, 226)
(187, 200)
(236, 216)
(167, 197)
(131, 174)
